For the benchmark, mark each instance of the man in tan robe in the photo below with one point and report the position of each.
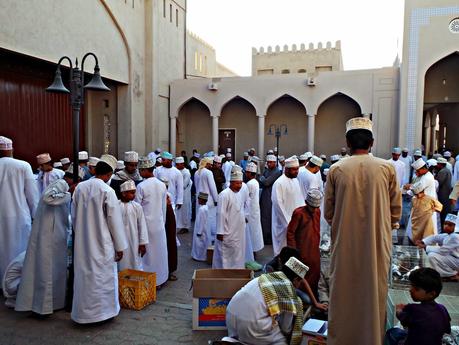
(362, 204)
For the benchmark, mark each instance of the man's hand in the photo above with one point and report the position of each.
(118, 256)
(178, 206)
(142, 250)
(407, 186)
(420, 244)
(220, 237)
(395, 226)
(321, 306)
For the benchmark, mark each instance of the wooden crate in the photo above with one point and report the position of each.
(137, 289)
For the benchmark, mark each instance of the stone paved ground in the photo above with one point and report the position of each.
(168, 321)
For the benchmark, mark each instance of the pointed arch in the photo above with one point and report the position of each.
(340, 94)
(284, 96)
(192, 99)
(237, 98)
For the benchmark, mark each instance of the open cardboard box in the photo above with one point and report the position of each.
(212, 291)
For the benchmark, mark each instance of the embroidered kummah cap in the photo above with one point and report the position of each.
(179, 160)
(406, 150)
(217, 159)
(83, 156)
(93, 161)
(65, 161)
(359, 123)
(128, 185)
(317, 161)
(442, 160)
(299, 268)
(43, 158)
(166, 155)
(251, 167)
(323, 156)
(417, 153)
(292, 163)
(451, 218)
(270, 152)
(308, 154)
(334, 158)
(110, 160)
(146, 163)
(417, 188)
(282, 158)
(246, 154)
(131, 157)
(120, 165)
(228, 154)
(397, 150)
(447, 154)
(236, 173)
(271, 158)
(5, 143)
(303, 157)
(57, 165)
(418, 164)
(203, 196)
(314, 197)
(431, 162)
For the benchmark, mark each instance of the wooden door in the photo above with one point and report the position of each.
(226, 140)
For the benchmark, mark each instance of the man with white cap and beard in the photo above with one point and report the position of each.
(184, 213)
(398, 164)
(227, 167)
(362, 205)
(47, 173)
(230, 244)
(310, 177)
(253, 208)
(18, 203)
(99, 243)
(130, 172)
(219, 175)
(408, 160)
(175, 178)
(286, 197)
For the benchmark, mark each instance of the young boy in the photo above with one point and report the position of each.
(135, 226)
(421, 213)
(201, 238)
(444, 257)
(427, 321)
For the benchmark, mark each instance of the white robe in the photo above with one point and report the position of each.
(12, 279)
(44, 179)
(399, 166)
(408, 160)
(183, 215)
(152, 195)
(136, 231)
(445, 257)
(227, 166)
(175, 186)
(253, 215)
(44, 275)
(205, 183)
(200, 243)
(308, 180)
(286, 197)
(230, 253)
(99, 233)
(18, 202)
(455, 172)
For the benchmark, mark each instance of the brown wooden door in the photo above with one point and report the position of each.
(226, 140)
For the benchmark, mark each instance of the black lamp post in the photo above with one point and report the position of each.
(278, 131)
(76, 92)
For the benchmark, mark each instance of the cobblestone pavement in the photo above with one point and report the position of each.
(168, 321)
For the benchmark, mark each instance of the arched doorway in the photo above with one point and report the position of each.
(194, 127)
(288, 111)
(239, 115)
(331, 119)
(441, 106)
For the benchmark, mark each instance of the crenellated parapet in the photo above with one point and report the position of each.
(311, 47)
(199, 39)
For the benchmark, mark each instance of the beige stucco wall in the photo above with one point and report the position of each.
(426, 40)
(297, 59)
(201, 59)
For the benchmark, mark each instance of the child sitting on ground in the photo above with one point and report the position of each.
(427, 321)
(444, 257)
(421, 213)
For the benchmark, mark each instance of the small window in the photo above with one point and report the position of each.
(170, 13)
(302, 70)
(205, 64)
(196, 61)
(164, 8)
(285, 71)
(200, 62)
(176, 17)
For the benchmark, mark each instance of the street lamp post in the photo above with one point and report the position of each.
(277, 131)
(76, 92)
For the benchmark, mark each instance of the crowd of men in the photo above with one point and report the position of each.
(127, 214)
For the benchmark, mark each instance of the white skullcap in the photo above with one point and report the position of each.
(299, 268)
(323, 156)
(251, 167)
(451, 218)
(314, 197)
(334, 158)
(405, 149)
(436, 156)
(93, 161)
(196, 155)
(292, 163)
(418, 164)
(303, 157)
(228, 150)
(281, 158)
(158, 149)
(179, 160)
(417, 153)
(131, 157)
(120, 165)
(359, 123)
(5, 143)
(128, 185)
(159, 160)
(57, 165)
(270, 152)
(43, 158)
(110, 160)
(65, 161)
(146, 163)
(246, 153)
(397, 150)
(83, 156)
(431, 162)
(80, 171)
(418, 187)
(308, 154)
(271, 158)
(236, 175)
(252, 149)
(317, 161)
(228, 155)
(442, 160)
(217, 159)
(447, 154)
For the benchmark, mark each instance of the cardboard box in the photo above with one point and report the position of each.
(212, 291)
(315, 332)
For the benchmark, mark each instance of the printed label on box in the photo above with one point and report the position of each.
(212, 312)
